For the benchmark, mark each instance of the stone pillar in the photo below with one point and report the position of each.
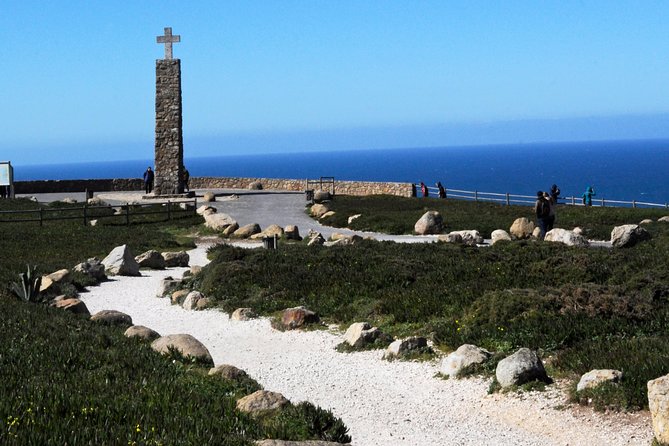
(169, 156)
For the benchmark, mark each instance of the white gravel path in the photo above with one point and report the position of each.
(383, 403)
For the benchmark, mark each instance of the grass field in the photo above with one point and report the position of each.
(66, 380)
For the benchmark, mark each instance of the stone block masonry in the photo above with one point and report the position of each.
(135, 184)
(169, 150)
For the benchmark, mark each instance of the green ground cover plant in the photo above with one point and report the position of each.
(66, 380)
(397, 215)
(589, 308)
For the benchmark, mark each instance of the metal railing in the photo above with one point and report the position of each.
(509, 199)
(328, 182)
(87, 213)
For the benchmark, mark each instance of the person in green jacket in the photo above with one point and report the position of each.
(587, 196)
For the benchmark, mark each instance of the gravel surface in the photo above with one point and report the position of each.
(383, 403)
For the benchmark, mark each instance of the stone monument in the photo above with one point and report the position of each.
(169, 149)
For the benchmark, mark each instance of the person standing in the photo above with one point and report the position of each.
(542, 211)
(555, 193)
(550, 221)
(148, 180)
(186, 178)
(442, 191)
(587, 196)
(423, 190)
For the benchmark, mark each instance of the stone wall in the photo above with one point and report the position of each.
(169, 149)
(136, 184)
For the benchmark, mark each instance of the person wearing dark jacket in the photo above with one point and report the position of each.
(148, 180)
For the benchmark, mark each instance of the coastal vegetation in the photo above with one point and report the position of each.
(67, 380)
(581, 308)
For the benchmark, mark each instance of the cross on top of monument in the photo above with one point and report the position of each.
(168, 39)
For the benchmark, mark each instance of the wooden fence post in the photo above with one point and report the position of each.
(633, 203)
(169, 211)
(508, 202)
(476, 196)
(41, 217)
(573, 201)
(85, 214)
(127, 214)
(603, 202)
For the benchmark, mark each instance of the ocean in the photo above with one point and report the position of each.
(617, 170)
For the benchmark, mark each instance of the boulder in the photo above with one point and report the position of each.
(646, 221)
(151, 259)
(178, 258)
(626, 236)
(45, 284)
(247, 231)
(316, 239)
(243, 314)
(536, 233)
(185, 344)
(228, 372)
(269, 231)
(499, 235)
(361, 333)
(430, 223)
(452, 237)
(167, 284)
(318, 210)
(179, 296)
(291, 232)
(121, 262)
(112, 317)
(255, 185)
(596, 377)
(142, 332)
(208, 197)
(261, 401)
(470, 237)
(352, 218)
(206, 210)
(227, 232)
(59, 276)
(322, 195)
(73, 306)
(218, 221)
(566, 237)
(519, 368)
(190, 303)
(463, 357)
(401, 347)
(93, 268)
(203, 304)
(658, 403)
(521, 228)
(297, 317)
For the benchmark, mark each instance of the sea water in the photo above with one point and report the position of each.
(617, 170)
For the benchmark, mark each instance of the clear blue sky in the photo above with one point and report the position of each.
(77, 77)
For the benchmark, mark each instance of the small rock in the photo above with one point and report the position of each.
(167, 284)
(92, 267)
(664, 219)
(322, 195)
(463, 357)
(112, 317)
(521, 228)
(260, 401)
(646, 221)
(75, 306)
(316, 239)
(352, 218)
(121, 262)
(208, 197)
(499, 235)
(470, 237)
(174, 259)
(430, 223)
(361, 333)
(59, 276)
(298, 317)
(318, 210)
(247, 231)
(205, 210)
(186, 344)
(521, 367)
(190, 303)
(227, 232)
(401, 347)
(577, 230)
(151, 259)
(142, 332)
(626, 236)
(596, 377)
(179, 296)
(202, 304)
(453, 237)
(291, 232)
(228, 372)
(255, 185)
(658, 403)
(218, 221)
(566, 237)
(243, 314)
